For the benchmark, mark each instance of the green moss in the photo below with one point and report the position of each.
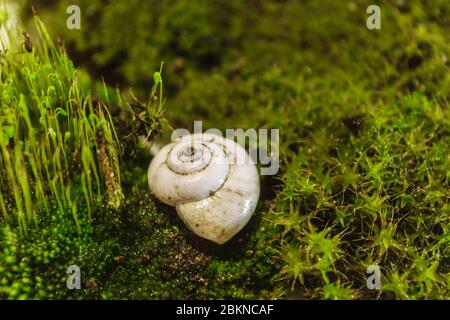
(141, 251)
(34, 266)
(364, 123)
(160, 258)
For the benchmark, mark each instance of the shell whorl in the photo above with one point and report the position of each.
(210, 180)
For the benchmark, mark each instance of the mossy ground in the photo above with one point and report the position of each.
(364, 120)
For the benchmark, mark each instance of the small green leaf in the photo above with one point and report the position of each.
(157, 78)
(67, 136)
(9, 131)
(52, 133)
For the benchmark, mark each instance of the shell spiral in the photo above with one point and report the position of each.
(212, 182)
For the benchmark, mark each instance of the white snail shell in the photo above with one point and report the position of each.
(212, 182)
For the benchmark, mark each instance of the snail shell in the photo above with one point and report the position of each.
(212, 182)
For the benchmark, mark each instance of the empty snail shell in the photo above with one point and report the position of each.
(211, 181)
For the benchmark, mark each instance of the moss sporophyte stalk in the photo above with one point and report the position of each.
(49, 129)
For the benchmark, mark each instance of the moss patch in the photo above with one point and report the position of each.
(364, 123)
